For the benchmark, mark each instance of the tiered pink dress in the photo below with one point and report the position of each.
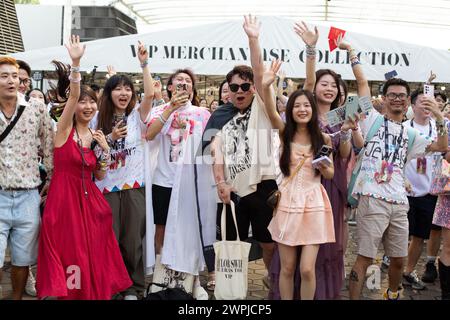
(304, 215)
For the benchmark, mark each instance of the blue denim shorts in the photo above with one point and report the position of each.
(19, 226)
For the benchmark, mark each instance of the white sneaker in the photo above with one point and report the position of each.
(130, 297)
(30, 287)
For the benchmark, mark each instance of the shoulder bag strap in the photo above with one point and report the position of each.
(12, 124)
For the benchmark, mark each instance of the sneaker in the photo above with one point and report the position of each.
(130, 297)
(413, 280)
(385, 263)
(386, 295)
(30, 287)
(430, 274)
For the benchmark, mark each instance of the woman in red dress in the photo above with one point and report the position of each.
(79, 257)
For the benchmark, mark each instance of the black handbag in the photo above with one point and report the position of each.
(167, 293)
(273, 199)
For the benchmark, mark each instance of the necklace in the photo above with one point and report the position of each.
(7, 118)
(83, 160)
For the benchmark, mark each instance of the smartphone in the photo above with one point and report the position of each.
(324, 159)
(181, 87)
(390, 74)
(428, 90)
(124, 121)
(324, 151)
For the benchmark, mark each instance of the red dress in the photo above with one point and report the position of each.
(79, 257)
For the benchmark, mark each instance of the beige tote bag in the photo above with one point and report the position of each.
(231, 263)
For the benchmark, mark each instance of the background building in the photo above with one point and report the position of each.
(10, 36)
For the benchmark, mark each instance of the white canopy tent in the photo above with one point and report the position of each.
(216, 48)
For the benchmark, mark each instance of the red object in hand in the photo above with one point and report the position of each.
(333, 36)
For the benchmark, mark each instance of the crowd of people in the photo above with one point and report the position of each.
(96, 188)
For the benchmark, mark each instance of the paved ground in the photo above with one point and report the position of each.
(257, 290)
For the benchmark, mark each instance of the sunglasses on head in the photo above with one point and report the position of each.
(244, 86)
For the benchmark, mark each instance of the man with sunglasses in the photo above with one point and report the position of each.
(380, 185)
(244, 167)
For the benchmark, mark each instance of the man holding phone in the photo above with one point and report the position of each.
(421, 203)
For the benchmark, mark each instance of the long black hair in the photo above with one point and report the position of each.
(317, 139)
(323, 72)
(106, 105)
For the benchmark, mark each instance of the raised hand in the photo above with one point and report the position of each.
(142, 53)
(341, 44)
(251, 26)
(270, 73)
(351, 122)
(111, 70)
(309, 37)
(75, 48)
(432, 77)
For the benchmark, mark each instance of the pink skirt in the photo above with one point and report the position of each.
(309, 222)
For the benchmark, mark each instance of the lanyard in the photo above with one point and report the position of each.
(396, 144)
(430, 131)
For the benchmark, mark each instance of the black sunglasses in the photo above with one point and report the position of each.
(235, 87)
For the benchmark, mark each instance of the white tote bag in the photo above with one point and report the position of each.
(171, 278)
(231, 263)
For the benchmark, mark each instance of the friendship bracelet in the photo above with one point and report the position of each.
(74, 69)
(442, 131)
(144, 64)
(161, 119)
(356, 62)
(440, 123)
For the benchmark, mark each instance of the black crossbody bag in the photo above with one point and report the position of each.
(12, 124)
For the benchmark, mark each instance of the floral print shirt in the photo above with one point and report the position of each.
(30, 139)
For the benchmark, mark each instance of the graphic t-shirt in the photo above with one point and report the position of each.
(370, 179)
(126, 166)
(247, 146)
(178, 127)
(419, 171)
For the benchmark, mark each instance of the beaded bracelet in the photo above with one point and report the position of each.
(310, 51)
(354, 61)
(442, 130)
(144, 64)
(161, 119)
(74, 69)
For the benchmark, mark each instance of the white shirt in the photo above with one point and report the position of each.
(421, 182)
(394, 190)
(126, 168)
